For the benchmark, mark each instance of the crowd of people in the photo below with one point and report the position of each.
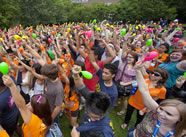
(44, 79)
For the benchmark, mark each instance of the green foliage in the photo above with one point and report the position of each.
(33, 12)
(9, 11)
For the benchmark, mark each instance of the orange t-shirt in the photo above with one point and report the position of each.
(4, 134)
(73, 97)
(14, 73)
(35, 128)
(138, 50)
(136, 100)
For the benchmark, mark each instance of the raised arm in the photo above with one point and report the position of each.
(81, 52)
(79, 82)
(13, 66)
(144, 90)
(111, 52)
(34, 54)
(63, 75)
(18, 99)
(38, 76)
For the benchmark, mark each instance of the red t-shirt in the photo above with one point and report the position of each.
(91, 83)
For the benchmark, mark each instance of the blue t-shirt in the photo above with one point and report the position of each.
(111, 91)
(8, 109)
(174, 73)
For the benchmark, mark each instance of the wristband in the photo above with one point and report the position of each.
(76, 77)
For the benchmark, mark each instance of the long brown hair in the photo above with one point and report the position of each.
(41, 108)
(164, 74)
(180, 106)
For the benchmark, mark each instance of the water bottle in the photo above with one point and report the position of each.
(133, 91)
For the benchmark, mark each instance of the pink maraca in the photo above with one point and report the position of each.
(49, 40)
(176, 40)
(18, 42)
(150, 56)
(179, 32)
(77, 27)
(88, 33)
(117, 28)
(150, 30)
(160, 29)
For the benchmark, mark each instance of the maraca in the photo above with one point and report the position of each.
(150, 56)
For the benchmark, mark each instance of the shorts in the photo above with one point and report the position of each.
(75, 113)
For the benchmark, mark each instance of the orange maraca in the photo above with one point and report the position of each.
(52, 32)
(61, 61)
(21, 50)
(42, 48)
(183, 43)
(3, 37)
(68, 55)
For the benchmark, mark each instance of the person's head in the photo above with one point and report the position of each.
(11, 54)
(109, 72)
(80, 63)
(172, 112)
(97, 52)
(178, 45)
(112, 47)
(97, 105)
(39, 106)
(159, 75)
(132, 58)
(50, 71)
(130, 47)
(176, 55)
(37, 68)
(163, 48)
(45, 42)
(138, 44)
(21, 67)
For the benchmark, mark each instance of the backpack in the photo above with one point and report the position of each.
(54, 131)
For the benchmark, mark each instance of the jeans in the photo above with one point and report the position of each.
(54, 131)
(56, 120)
(131, 131)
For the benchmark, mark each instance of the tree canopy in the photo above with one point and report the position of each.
(33, 12)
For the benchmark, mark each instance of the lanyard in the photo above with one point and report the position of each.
(156, 129)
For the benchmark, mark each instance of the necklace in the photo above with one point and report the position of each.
(156, 129)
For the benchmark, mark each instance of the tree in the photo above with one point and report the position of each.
(9, 13)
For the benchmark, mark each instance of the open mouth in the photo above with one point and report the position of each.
(160, 118)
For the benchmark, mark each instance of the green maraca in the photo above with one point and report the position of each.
(4, 68)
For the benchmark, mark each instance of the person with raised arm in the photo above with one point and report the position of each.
(166, 119)
(36, 115)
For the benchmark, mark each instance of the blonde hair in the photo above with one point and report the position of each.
(181, 107)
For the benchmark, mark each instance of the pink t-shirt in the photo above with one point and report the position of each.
(91, 83)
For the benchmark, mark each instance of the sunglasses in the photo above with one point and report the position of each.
(130, 57)
(155, 74)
